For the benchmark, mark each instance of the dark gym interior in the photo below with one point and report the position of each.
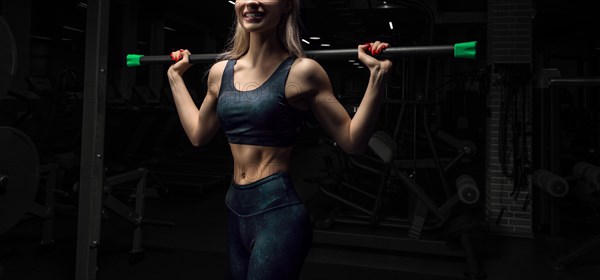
(485, 167)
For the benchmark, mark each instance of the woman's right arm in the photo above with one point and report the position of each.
(200, 125)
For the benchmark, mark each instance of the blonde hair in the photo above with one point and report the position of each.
(289, 34)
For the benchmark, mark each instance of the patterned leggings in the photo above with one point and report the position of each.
(269, 229)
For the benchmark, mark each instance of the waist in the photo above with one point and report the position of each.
(269, 193)
(253, 162)
(282, 138)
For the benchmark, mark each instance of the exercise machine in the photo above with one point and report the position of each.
(581, 182)
(584, 183)
(412, 234)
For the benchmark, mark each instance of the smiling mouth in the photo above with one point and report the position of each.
(254, 16)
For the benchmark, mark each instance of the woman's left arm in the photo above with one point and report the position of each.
(352, 135)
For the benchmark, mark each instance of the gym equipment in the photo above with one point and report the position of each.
(426, 213)
(551, 183)
(384, 147)
(584, 81)
(587, 189)
(92, 142)
(585, 181)
(547, 137)
(414, 106)
(590, 172)
(553, 186)
(547, 113)
(462, 147)
(467, 190)
(460, 50)
(134, 216)
(20, 178)
(8, 57)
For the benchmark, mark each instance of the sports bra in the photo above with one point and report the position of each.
(261, 116)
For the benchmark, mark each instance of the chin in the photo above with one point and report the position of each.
(252, 28)
(257, 29)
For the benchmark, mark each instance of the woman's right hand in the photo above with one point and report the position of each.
(181, 59)
(371, 61)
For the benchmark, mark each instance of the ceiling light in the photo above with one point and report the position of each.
(351, 60)
(307, 42)
(325, 45)
(387, 5)
(391, 26)
(315, 38)
(231, 2)
(41, 37)
(82, 5)
(72, 28)
(169, 28)
(356, 63)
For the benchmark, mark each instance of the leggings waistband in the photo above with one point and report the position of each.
(274, 176)
(268, 193)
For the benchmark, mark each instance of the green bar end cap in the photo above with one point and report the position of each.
(133, 60)
(465, 50)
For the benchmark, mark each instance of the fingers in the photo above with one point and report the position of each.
(375, 48)
(179, 55)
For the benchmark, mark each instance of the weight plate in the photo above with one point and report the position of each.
(19, 161)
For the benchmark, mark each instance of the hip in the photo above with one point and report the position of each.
(269, 193)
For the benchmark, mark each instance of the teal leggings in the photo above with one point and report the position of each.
(270, 232)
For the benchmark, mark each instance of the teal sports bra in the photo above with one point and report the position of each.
(261, 116)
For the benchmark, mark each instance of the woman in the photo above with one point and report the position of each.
(258, 93)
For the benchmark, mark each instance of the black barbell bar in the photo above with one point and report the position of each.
(460, 50)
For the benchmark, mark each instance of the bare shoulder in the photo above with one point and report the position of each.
(306, 68)
(214, 77)
(308, 73)
(216, 71)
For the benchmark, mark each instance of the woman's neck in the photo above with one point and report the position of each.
(264, 47)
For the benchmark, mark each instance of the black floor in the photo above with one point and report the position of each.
(195, 248)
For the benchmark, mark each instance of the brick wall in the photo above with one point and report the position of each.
(509, 31)
(509, 43)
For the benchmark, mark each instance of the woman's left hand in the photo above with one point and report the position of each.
(369, 59)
